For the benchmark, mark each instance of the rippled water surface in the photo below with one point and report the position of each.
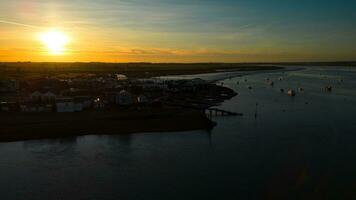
(301, 147)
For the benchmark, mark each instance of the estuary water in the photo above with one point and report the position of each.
(301, 147)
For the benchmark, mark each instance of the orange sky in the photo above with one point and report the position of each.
(137, 31)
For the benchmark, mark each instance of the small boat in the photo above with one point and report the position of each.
(301, 89)
(291, 93)
(249, 87)
(282, 90)
(271, 83)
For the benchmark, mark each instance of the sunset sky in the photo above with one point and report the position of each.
(179, 30)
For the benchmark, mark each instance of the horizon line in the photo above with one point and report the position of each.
(92, 62)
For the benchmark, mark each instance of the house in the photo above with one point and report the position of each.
(36, 96)
(81, 103)
(44, 97)
(111, 97)
(72, 92)
(30, 107)
(121, 77)
(9, 85)
(142, 99)
(99, 103)
(78, 105)
(9, 106)
(48, 97)
(124, 98)
(153, 84)
(86, 101)
(65, 105)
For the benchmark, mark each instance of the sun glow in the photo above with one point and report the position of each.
(55, 41)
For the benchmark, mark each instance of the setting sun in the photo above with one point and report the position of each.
(55, 41)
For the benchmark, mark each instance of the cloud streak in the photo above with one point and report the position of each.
(20, 24)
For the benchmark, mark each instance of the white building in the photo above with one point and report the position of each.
(121, 77)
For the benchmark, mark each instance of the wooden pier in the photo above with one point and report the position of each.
(209, 112)
(220, 112)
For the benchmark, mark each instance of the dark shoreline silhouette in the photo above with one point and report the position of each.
(17, 126)
(28, 126)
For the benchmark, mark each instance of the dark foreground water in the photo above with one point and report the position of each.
(297, 148)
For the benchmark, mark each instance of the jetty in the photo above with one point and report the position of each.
(220, 112)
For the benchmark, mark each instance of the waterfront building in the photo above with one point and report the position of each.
(9, 106)
(30, 107)
(142, 99)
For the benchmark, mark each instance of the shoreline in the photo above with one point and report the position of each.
(33, 126)
(229, 74)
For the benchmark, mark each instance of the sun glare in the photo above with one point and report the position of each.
(55, 41)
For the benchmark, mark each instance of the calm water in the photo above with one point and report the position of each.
(296, 148)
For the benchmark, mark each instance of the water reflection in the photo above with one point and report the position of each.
(51, 146)
(298, 147)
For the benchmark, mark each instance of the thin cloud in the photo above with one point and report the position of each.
(20, 24)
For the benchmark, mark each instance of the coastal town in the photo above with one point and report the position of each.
(105, 92)
(110, 103)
